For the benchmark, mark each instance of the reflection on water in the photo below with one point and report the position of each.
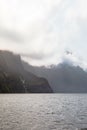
(43, 111)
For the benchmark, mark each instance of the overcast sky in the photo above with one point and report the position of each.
(43, 30)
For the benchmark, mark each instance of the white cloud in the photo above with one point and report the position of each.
(46, 29)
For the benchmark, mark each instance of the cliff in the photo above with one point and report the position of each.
(15, 79)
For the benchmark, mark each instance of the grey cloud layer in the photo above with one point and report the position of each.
(13, 36)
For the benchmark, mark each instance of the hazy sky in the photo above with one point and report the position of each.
(43, 30)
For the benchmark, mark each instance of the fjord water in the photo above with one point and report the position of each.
(43, 111)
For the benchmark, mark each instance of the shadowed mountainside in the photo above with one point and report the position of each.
(15, 79)
(63, 78)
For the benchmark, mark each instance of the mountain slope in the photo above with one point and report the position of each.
(63, 78)
(14, 78)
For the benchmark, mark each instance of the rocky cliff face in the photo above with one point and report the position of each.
(15, 79)
(11, 83)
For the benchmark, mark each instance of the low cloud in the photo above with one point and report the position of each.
(33, 56)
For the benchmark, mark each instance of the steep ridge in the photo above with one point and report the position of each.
(14, 78)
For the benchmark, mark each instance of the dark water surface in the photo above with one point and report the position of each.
(43, 111)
